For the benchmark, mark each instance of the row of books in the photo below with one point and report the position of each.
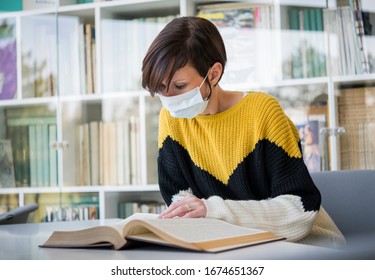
(122, 53)
(30, 135)
(71, 213)
(77, 47)
(109, 152)
(248, 31)
(240, 15)
(307, 58)
(357, 146)
(128, 208)
(124, 45)
(39, 56)
(356, 112)
(345, 26)
(356, 104)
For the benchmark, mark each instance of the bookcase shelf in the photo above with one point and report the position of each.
(81, 64)
(81, 189)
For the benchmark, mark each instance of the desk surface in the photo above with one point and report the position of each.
(21, 242)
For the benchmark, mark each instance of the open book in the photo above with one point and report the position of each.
(199, 234)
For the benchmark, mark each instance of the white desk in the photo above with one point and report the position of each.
(21, 242)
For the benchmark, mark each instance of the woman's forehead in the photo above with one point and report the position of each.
(183, 73)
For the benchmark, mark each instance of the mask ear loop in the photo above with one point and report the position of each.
(209, 85)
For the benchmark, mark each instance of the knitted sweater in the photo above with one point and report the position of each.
(246, 164)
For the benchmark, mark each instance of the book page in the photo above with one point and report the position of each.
(199, 229)
(200, 234)
(137, 216)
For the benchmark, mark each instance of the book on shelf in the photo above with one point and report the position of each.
(90, 57)
(128, 208)
(31, 130)
(119, 32)
(71, 213)
(83, 155)
(69, 45)
(356, 113)
(94, 152)
(18, 135)
(243, 26)
(134, 139)
(7, 178)
(123, 151)
(8, 58)
(307, 58)
(345, 27)
(108, 153)
(10, 5)
(197, 234)
(53, 176)
(39, 56)
(360, 35)
(38, 4)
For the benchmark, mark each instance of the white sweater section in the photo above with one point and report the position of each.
(283, 215)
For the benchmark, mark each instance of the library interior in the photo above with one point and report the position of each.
(79, 134)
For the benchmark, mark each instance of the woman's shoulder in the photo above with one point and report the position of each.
(260, 95)
(262, 101)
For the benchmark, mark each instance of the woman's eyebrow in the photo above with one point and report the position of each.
(179, 81)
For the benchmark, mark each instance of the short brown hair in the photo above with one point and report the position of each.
(184, 40)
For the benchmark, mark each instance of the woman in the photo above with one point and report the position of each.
(224, 154)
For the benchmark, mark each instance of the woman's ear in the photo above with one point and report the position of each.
(215, 73)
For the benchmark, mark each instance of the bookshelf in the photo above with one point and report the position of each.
(84, 133)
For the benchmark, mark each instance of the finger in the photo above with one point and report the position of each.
(178, 209)
(174, 210)
(198, 211)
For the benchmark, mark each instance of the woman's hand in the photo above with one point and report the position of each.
(188, 207)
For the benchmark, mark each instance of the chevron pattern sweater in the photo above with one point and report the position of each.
(246, 164)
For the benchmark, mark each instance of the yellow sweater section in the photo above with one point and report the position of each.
(218, 143)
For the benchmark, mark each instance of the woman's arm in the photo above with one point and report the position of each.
(283, 215)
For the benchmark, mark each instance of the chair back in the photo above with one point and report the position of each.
(19, 215)
(349, 198)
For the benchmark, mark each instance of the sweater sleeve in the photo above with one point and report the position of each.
(284, 215)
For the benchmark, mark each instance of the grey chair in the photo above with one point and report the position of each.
(349, 197)
(19, 215)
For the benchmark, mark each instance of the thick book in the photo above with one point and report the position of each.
(197, 234)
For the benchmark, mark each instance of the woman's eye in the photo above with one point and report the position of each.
(179, 87)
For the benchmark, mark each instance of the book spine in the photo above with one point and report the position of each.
(52, 134)
(94, 153)
(33, 156)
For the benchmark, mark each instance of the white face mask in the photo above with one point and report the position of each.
(186, 105)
